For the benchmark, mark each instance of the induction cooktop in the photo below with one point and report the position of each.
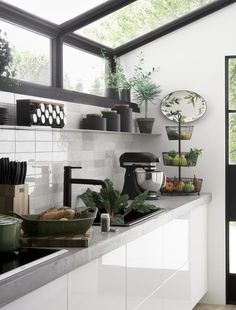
(12, 263)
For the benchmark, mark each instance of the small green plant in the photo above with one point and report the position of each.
(116, 79)
(111, 201)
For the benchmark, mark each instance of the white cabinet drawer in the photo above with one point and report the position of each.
(99, 285)
(52, 296)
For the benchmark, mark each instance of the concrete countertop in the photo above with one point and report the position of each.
(24, 282)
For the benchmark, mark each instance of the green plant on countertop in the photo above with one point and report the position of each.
(111, 201)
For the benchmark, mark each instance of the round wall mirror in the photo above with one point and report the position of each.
(187, 104)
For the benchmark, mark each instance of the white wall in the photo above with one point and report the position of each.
(193, 58)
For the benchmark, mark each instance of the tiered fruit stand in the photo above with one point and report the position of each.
(179, 185)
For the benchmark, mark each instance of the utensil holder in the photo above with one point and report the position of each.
(14, 198)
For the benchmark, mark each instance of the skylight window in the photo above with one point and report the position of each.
(56, 11)
(137, 19)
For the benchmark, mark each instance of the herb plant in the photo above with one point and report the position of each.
(116, 79)
(111, 201)
(145, 90)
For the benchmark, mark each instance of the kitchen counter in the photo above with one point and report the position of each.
(29, 280)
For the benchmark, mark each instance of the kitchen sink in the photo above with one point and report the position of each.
(133, 218)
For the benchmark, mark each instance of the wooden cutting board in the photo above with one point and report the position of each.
(58, 241)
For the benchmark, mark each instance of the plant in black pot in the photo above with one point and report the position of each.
(145, 91)
(125, 85)
(118, 86)
(112, 76)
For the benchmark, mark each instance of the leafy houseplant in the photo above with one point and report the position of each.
(145, 91)
(109, 200)
(116, 81)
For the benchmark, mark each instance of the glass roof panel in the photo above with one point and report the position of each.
(56, 11)
(136, 19)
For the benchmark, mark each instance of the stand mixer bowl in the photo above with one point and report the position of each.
(150, 180)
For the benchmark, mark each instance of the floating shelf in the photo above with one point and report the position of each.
(49, 92)
(45, 128)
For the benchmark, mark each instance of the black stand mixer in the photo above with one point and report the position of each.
(141, 174)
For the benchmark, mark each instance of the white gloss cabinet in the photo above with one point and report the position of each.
(152, 260)
(198, 235)
(144, 267)
(100, 284)
(52, 296)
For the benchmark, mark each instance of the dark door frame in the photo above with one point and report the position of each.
(230, 191)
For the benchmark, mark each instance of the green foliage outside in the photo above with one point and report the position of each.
(138, 18)
(5, 56)
(232, 105)
(31, 67)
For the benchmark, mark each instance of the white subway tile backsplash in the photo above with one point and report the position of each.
(25, 147)
(43, 146)
(7, 146)
(25, 135)
(29, 157)
(60, 146)
(59, 156)
(7, 135)
(43, 156)
(44, 135)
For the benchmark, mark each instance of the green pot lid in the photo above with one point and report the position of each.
(8, 220)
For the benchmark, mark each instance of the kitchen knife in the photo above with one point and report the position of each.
(17, 177)
(13, 176)
(24, 172)
(21, 178)
(10, 172)
(7, 163)
(3, 170)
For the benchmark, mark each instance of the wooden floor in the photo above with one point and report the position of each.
(214, 307)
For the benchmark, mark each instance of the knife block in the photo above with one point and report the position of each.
(14, 198)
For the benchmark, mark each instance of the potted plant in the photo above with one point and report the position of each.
(118, 86)
(125, 88)
(145, 91)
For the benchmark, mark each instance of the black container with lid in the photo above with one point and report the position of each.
(94, 122)
(125, 116)
(113, 120)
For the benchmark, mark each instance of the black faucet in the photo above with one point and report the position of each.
(68, 181)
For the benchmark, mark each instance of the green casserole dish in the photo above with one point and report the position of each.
(32, 226)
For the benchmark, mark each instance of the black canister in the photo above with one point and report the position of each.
(95, 122)
(125, 116)
(113, 120)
